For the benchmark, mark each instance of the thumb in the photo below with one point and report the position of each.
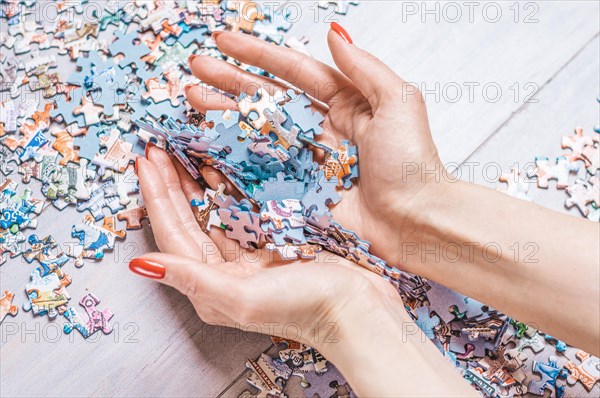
(191, 277)
(371, 77)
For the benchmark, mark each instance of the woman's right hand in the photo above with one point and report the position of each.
(364, 102)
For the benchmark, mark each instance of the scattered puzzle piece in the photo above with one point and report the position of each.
(6, 307)
(587, 373)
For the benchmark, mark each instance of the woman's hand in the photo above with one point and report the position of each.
(364, 102)
(249, 290)
(352, 316)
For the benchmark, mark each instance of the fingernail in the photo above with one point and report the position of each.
(191, 58)
(147, 268)
(337, 28)
(137, 161)
(214, 35)
(148, 146)
(187, 88)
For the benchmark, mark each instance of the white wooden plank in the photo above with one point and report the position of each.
(568, 101)
(463, 54)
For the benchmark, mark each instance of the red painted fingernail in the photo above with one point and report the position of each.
(191, 58)
(214, 35)
(337, 28)
(147, 268)
(137, 161)
(148, 146)
(187, 88)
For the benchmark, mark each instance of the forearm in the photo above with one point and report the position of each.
(383, 353)
(534, 264)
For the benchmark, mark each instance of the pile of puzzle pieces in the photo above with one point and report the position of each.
(577, 172)
(81, 133)
(74, 133)
(268, 159)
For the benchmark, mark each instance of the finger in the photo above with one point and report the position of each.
(314, 77)
(171, 179)
(375, 80)
(168, 232)
(225, 247)
(204, 98)
(230, 78)
(196, 279)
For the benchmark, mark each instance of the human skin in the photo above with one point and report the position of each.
(367, 103)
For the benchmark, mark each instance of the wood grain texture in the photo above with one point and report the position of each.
(161, 348)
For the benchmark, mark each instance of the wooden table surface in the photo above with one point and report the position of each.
(478, 75)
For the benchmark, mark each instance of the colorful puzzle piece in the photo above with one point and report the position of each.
(6, 307)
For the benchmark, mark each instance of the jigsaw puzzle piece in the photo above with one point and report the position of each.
(6, 307)
(587, 372)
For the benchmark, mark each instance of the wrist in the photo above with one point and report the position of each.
(418, 222)
(377, 341)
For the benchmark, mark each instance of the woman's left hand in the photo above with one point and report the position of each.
(234, 287)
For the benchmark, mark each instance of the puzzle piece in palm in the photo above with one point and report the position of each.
(93, 239)
(289, 251)
(583, 193)
(257, 108)
(47, 294)
(286, 137)
(298, 108)
(46, 252)
(10, 243)
(342, 164)
(587, 373)
(544, 171)
(206, 210)
(6, 307)
(236, 148)
(263, 145)
(280, 188)
(516, 186)
(242, 226)
(277, 215)
(321, 194)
